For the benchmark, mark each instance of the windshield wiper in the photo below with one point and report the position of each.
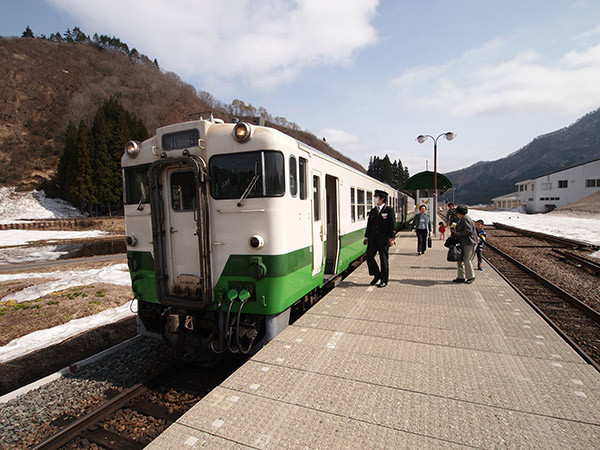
(248, 189)
(140, 206)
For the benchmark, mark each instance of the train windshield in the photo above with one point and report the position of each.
(136, 185)
(261, 172)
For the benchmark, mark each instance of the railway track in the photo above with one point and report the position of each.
(133, 417)
(555, 240)
(155, 403)
(574, 318)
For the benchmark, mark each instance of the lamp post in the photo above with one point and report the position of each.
(420, 139)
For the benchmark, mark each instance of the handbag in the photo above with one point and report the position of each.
(450, 242)
(428, 241)
(455, 254)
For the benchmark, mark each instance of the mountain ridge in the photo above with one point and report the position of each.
(49, 83)
(550, 152)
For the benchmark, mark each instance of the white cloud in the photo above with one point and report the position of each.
(471, 85)
(339, 138)
(262, 43)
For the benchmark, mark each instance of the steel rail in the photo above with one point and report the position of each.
(579, 260)
(560, 240)
(537, 309)
(75, 428)
(590, 312)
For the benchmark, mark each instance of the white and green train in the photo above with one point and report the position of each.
(230, 226)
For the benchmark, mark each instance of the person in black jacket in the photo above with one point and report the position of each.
(379, 237)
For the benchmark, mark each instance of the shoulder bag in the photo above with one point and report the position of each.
(454, 254)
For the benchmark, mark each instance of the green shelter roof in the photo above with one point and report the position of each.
(424, 181)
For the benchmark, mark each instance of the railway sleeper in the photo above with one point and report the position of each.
(111, 441)
(155, 410)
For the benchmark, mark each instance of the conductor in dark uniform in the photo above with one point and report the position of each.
(379, 237)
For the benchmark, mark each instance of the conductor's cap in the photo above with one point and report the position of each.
(381, 194)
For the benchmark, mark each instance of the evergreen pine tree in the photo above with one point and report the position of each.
(386, 170)
(103, 165)
(81, 191)
(28, 33)
(67, 164)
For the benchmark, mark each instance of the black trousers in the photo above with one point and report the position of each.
(383, 249)
(422, 240)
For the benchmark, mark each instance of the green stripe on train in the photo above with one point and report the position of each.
(288, 277)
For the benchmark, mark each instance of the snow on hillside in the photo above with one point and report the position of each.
(19, 206)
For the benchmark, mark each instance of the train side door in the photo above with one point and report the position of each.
(318, 234)
(332, 217)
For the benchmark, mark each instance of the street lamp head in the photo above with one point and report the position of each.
(450, 135)
(421, 138)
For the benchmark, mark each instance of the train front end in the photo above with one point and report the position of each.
(196, 251)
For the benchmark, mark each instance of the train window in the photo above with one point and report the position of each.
(352, 204)
(361, 204)
(261, 172)
(302, 178)
(136, 185)
(293, 176)
(369, 200)
(316, 198)
(183, 191)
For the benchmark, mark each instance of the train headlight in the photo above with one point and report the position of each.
(132, 148)
(131, 241)
(256, 242)
(242, 131)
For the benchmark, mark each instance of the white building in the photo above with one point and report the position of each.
(557, 189)
(508, 201)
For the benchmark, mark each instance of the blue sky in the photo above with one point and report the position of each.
(368, 75)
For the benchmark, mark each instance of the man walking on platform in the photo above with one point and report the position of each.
(379, 237)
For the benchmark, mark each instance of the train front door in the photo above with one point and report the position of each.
(318, 233)
(180, 234)
(181, 243)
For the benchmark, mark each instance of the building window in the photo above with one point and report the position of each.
(546, 186)
(563, 184)
(369, 200)
(361, 204)
(353, 204)
(592, 183)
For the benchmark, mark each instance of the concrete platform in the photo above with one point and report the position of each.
(423, 362)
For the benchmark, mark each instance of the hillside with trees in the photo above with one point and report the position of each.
(53, 85)
(569, 146)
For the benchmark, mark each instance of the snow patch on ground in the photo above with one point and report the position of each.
(581, 227)
(52, 336)
(23, 237)
(21, 206)
(116, 274)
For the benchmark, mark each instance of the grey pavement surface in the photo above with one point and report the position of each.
(423, 362)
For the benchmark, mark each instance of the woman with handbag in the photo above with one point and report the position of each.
(466, 234)
(422, 224)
